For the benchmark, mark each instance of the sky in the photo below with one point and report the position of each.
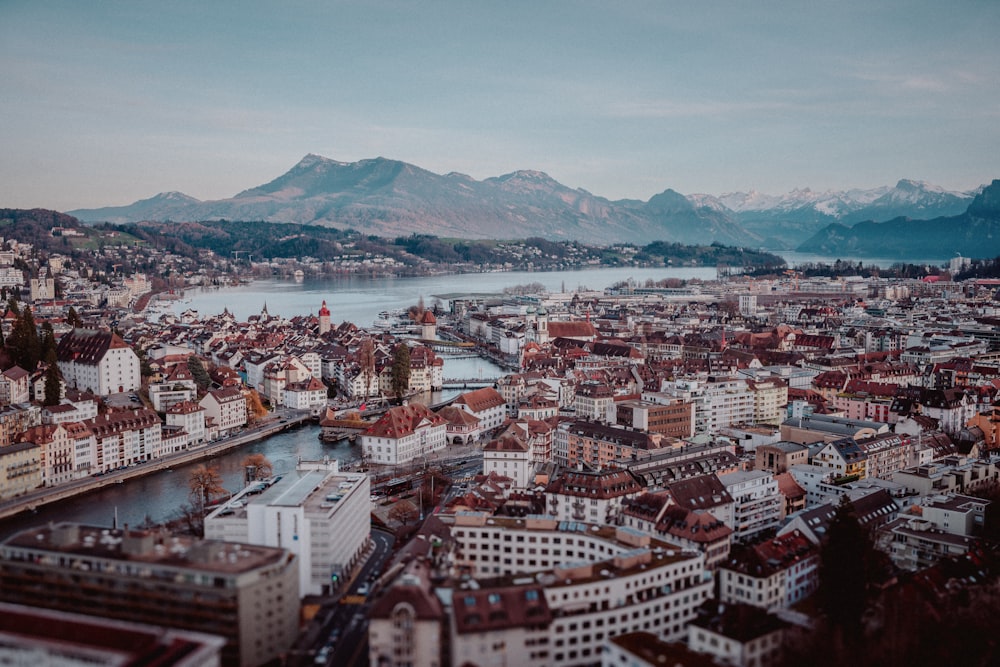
(109, 102)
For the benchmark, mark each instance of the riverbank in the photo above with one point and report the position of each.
(43, 496)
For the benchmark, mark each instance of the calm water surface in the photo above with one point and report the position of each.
(360, 299)
(357, 299)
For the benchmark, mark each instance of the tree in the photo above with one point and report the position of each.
(255, 406)
(403, 511)
(205, 484)
(53, 384)
(366, 361)
(400, 371)
(256, 466)
(145, 369)
(198, 372)
(846, 572)
(73, 318)
(48, 343)
(24, 342)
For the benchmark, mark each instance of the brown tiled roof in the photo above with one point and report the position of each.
(702, 492)
(578, 329)
(184, 408)
(481, 399)
(87, 346)
(506, 444)
(116, 421)
(489, 609)
(15, 373)
(774, 555)
(458, 416)
(402, 421)
(788, 487)
(699, 527)
(604, 484)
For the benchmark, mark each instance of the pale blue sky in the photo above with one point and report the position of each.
(104, 103)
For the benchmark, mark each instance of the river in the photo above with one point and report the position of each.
(350, 298)
(360, 299)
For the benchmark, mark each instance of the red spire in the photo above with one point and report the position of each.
(324, 311)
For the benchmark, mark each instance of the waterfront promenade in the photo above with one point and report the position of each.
(274, 423)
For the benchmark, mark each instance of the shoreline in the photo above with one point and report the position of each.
(47, 495)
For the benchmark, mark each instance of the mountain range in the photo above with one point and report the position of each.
(392, 198)
(973, 233)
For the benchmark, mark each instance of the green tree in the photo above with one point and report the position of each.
(400, 371)
(53, 385)
(145, 370)
(25, 344)
(73, 318)
(199, 372)
(48, 343)
(846, 572)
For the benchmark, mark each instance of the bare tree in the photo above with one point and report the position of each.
(205, 484)
(366, 359)
(257, 466)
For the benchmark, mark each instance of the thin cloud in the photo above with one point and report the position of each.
(685, 109)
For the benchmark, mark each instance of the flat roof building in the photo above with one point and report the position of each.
(318, 513)
(248, 595)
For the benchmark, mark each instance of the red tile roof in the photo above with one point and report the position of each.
(402, 421)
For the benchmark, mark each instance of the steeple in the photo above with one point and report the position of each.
(324, 318)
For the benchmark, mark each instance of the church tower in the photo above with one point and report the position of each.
(324, 318)
(428, 326)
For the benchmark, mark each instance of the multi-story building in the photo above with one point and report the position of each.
(125, 438)
(738, 634)
(29, 635)
(844, 457)
(56, 452)
(188, 417)
(719, 401)
(592, 496)
(487, 404)
(951, 474)
(914, 543)
(407, 624)
(770, 399)
(307, 395)
(885, 454)
(757, 501)
(780, 456)
(20, 469)
(587, 583)
(403, 434)
(774, 574)
(246, 594)
(596, 401)
(673, 418)
(599, 445)
(84, 448)
(537, 435)
(227, 408)
(16, 419)
(99, 361)
(704, 493)
(316, 512)
(14, 386)
(657, 514)
(509, 456)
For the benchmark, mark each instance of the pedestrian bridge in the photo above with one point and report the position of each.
(462, 383)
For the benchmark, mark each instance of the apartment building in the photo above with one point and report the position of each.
(316, 512)
(246, 594)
